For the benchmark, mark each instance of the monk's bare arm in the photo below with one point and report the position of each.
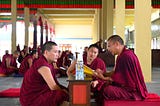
(47, 75)
(8, 62)
(71, 68)
(104, 76)
(30, 62)
(108, 74)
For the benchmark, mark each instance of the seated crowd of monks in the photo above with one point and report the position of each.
(25, 57)
(40, 86)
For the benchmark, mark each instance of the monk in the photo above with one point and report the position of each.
(40, 86)
(9, 64)
(27, 62)
(23, 53)
(94, 63)
(127, 82)
(85, 52)
(5, 55)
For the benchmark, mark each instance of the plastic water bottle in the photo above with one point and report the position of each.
(79, 69)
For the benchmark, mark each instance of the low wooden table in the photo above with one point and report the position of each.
(79, 92)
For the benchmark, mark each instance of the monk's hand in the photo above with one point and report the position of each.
(94, 83)
(99, 75)
(64, 90)
(97, 72)
(56, 87)
(108, 79)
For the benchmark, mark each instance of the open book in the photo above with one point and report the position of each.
(88, 70)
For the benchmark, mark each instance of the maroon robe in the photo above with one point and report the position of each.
(25, 65)
(35, 91)
(84, 55)
(5, 56)
(60, 60)
(67, 61)
(96, 64)
(128, 82)
(4, 69)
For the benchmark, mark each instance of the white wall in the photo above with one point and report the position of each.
(73, 31)
(78, 36)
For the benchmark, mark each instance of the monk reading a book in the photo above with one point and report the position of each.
(91, 64)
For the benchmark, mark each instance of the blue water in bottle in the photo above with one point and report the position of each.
(79, 70)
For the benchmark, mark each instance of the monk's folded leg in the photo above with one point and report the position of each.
(119, 93)
(52, 98)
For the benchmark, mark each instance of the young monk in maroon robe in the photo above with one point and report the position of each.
(5, 55)
(94, 63)
(40, 86)
(85, 52)
(127, 82)
(27, 62)
(23, 53)
(9, 64)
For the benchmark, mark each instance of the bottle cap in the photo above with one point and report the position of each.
(80, 57)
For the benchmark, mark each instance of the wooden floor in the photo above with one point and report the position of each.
(8, 82)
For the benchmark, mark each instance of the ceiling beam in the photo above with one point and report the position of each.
(91, 16)
(72, 22)
(68, 11)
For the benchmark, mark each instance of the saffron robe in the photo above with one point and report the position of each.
(128, 82)
(35, 91)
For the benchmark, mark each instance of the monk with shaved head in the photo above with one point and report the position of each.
(40, 86)
(127, 82)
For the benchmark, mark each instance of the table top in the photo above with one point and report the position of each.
(72, 79)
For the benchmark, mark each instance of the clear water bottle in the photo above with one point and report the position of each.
(79, 69)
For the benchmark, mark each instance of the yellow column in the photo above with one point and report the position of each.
(13, 20)
(26, 20)
(143, 35)
(100, 24)
(95, 27)
(120, 18)
(107, 18)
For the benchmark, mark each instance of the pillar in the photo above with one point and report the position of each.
(107, 18)
(26, 21)
(46, 28)
(13, 20)
(95, 26)
(120, 18)
(41, 30)
(143, 36)
(35, 32)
